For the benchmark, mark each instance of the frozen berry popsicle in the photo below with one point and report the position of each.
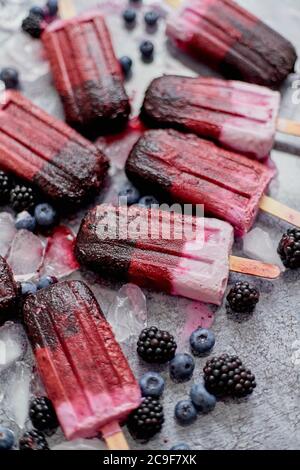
(231, 39)
(47, 153)
(178, 254)
(83, 368)
(191, 170)
(9, 290)
(239, 116)
(87, 74)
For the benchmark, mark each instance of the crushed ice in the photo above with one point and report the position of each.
(13, 344)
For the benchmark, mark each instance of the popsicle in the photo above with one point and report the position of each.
(187, 169)
(231, 39)
(47, 153)
(165, 251)
(86, 72)
(9, 290)
(83, 368)
(239, 116)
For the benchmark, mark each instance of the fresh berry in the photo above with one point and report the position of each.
(147, 419)
(7, 438)
(25, 221)
(202, 341)
(28, 288)
(152, 385)
(22, 198)
(185, 412)
(129, 16)
(46, 281)
(45, 215)
(42, 414)
(156, 346)
(147, 49)
(243, 297)
(126, 64)
(181, 446)
(10, 77)
(38, 11)
(131, 193)
(151, 18)
(32, 25)
(289, 248)
(148, 202)
(202, 399)
(5, 187)
(52, 7)
(33, 440)
(182, 367)
(226, 375)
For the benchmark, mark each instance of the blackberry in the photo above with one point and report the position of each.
(226, 375)
(156, 346)
(32, 25)
(42, 414)
(243, 297)
(5, 187)
(147, 419)
(22, 198)
(33, 440)
(289, 248)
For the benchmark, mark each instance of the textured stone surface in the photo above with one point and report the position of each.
(269, 340)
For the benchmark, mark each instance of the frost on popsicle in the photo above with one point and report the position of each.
(128, 312)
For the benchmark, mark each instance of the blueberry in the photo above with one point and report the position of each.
(38, 11)
(45, 215)
(151, 18)
(46, 281)
(126, 64)
(182, 367)
(7, 438)
(148, 201)
(152, 385)
(202, 341)
(203, 401)
(28, 288)
(129, 16)
(25, 221)
(185, 412)
(52, 6)
(147, 49)
(10, 77)
(131, 193)
(181, 446)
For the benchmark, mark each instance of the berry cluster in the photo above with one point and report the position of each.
(38, 17)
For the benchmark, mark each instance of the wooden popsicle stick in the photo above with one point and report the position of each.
(288, 127)
(66, 9)
(114, 437)
(269, 205)
(253, 267)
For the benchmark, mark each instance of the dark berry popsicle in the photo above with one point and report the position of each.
(84, 370)
(87, 74)
(232, 40)
(47, 153)
(9, 290)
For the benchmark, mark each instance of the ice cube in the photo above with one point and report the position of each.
(13, 344)
(128, 312)
(81, 444)
(17, 394)
(59, 258)
(7, 232)
(258, 244)
(26, 255)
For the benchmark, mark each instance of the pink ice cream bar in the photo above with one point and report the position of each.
(190, 170)
(84, 370)
(231, 39)
(174, 253)
(239, 116)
